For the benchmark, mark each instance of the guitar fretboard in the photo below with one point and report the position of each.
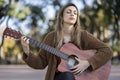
(48, 48)
(18, 35)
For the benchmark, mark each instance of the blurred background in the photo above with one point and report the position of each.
(36, 18)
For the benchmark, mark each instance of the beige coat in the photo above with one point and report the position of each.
(44, 59)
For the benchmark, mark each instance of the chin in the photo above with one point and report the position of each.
(72, 23)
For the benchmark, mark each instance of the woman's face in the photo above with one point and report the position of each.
(70, 15)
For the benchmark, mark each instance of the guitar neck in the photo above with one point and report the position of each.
(48, 48)
(17, 35)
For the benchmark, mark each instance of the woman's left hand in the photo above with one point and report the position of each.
(80, 67)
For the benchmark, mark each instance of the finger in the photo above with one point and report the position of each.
(22, 37)
(77, 71)
(73, 70)
(74, 67)
(27, 41)
(81, 71)
(25, 38)
(77, 59)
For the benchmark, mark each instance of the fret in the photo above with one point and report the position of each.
(17, 35)
(49, 49)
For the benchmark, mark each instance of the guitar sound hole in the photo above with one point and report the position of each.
(71, 61)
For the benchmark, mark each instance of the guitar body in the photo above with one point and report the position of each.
(100, 74)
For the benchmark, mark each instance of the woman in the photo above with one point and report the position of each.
(67, 31)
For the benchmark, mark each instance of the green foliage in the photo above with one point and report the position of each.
(37, 12)
(116, 47)
(2, 3)
(19, 11)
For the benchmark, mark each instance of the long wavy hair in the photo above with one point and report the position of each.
(59, 30)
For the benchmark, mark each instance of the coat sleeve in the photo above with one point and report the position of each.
(39, 61)
(103, 54)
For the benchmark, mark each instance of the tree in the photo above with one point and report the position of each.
(101, 18)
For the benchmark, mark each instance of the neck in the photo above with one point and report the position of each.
(67, 28)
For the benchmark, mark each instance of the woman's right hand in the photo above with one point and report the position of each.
(25, 45)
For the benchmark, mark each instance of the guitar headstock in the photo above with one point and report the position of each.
(12, 33)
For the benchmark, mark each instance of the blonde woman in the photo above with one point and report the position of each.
(67, 31)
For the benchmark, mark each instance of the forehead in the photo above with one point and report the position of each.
(71, 8)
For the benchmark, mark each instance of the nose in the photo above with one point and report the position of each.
(72, 13)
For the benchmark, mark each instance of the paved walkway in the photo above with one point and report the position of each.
(20, 72)
(115, 73)
(23, 72)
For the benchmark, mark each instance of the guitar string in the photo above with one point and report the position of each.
(48, 48)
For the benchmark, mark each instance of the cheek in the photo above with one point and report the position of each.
(75, 18)
(65, 17)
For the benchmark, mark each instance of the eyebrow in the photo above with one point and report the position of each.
(74, 10)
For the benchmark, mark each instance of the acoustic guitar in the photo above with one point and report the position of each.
(67, 58)
(99, 74)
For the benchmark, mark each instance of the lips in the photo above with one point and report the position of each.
(71, 18)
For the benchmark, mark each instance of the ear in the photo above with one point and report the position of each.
(2, 29)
